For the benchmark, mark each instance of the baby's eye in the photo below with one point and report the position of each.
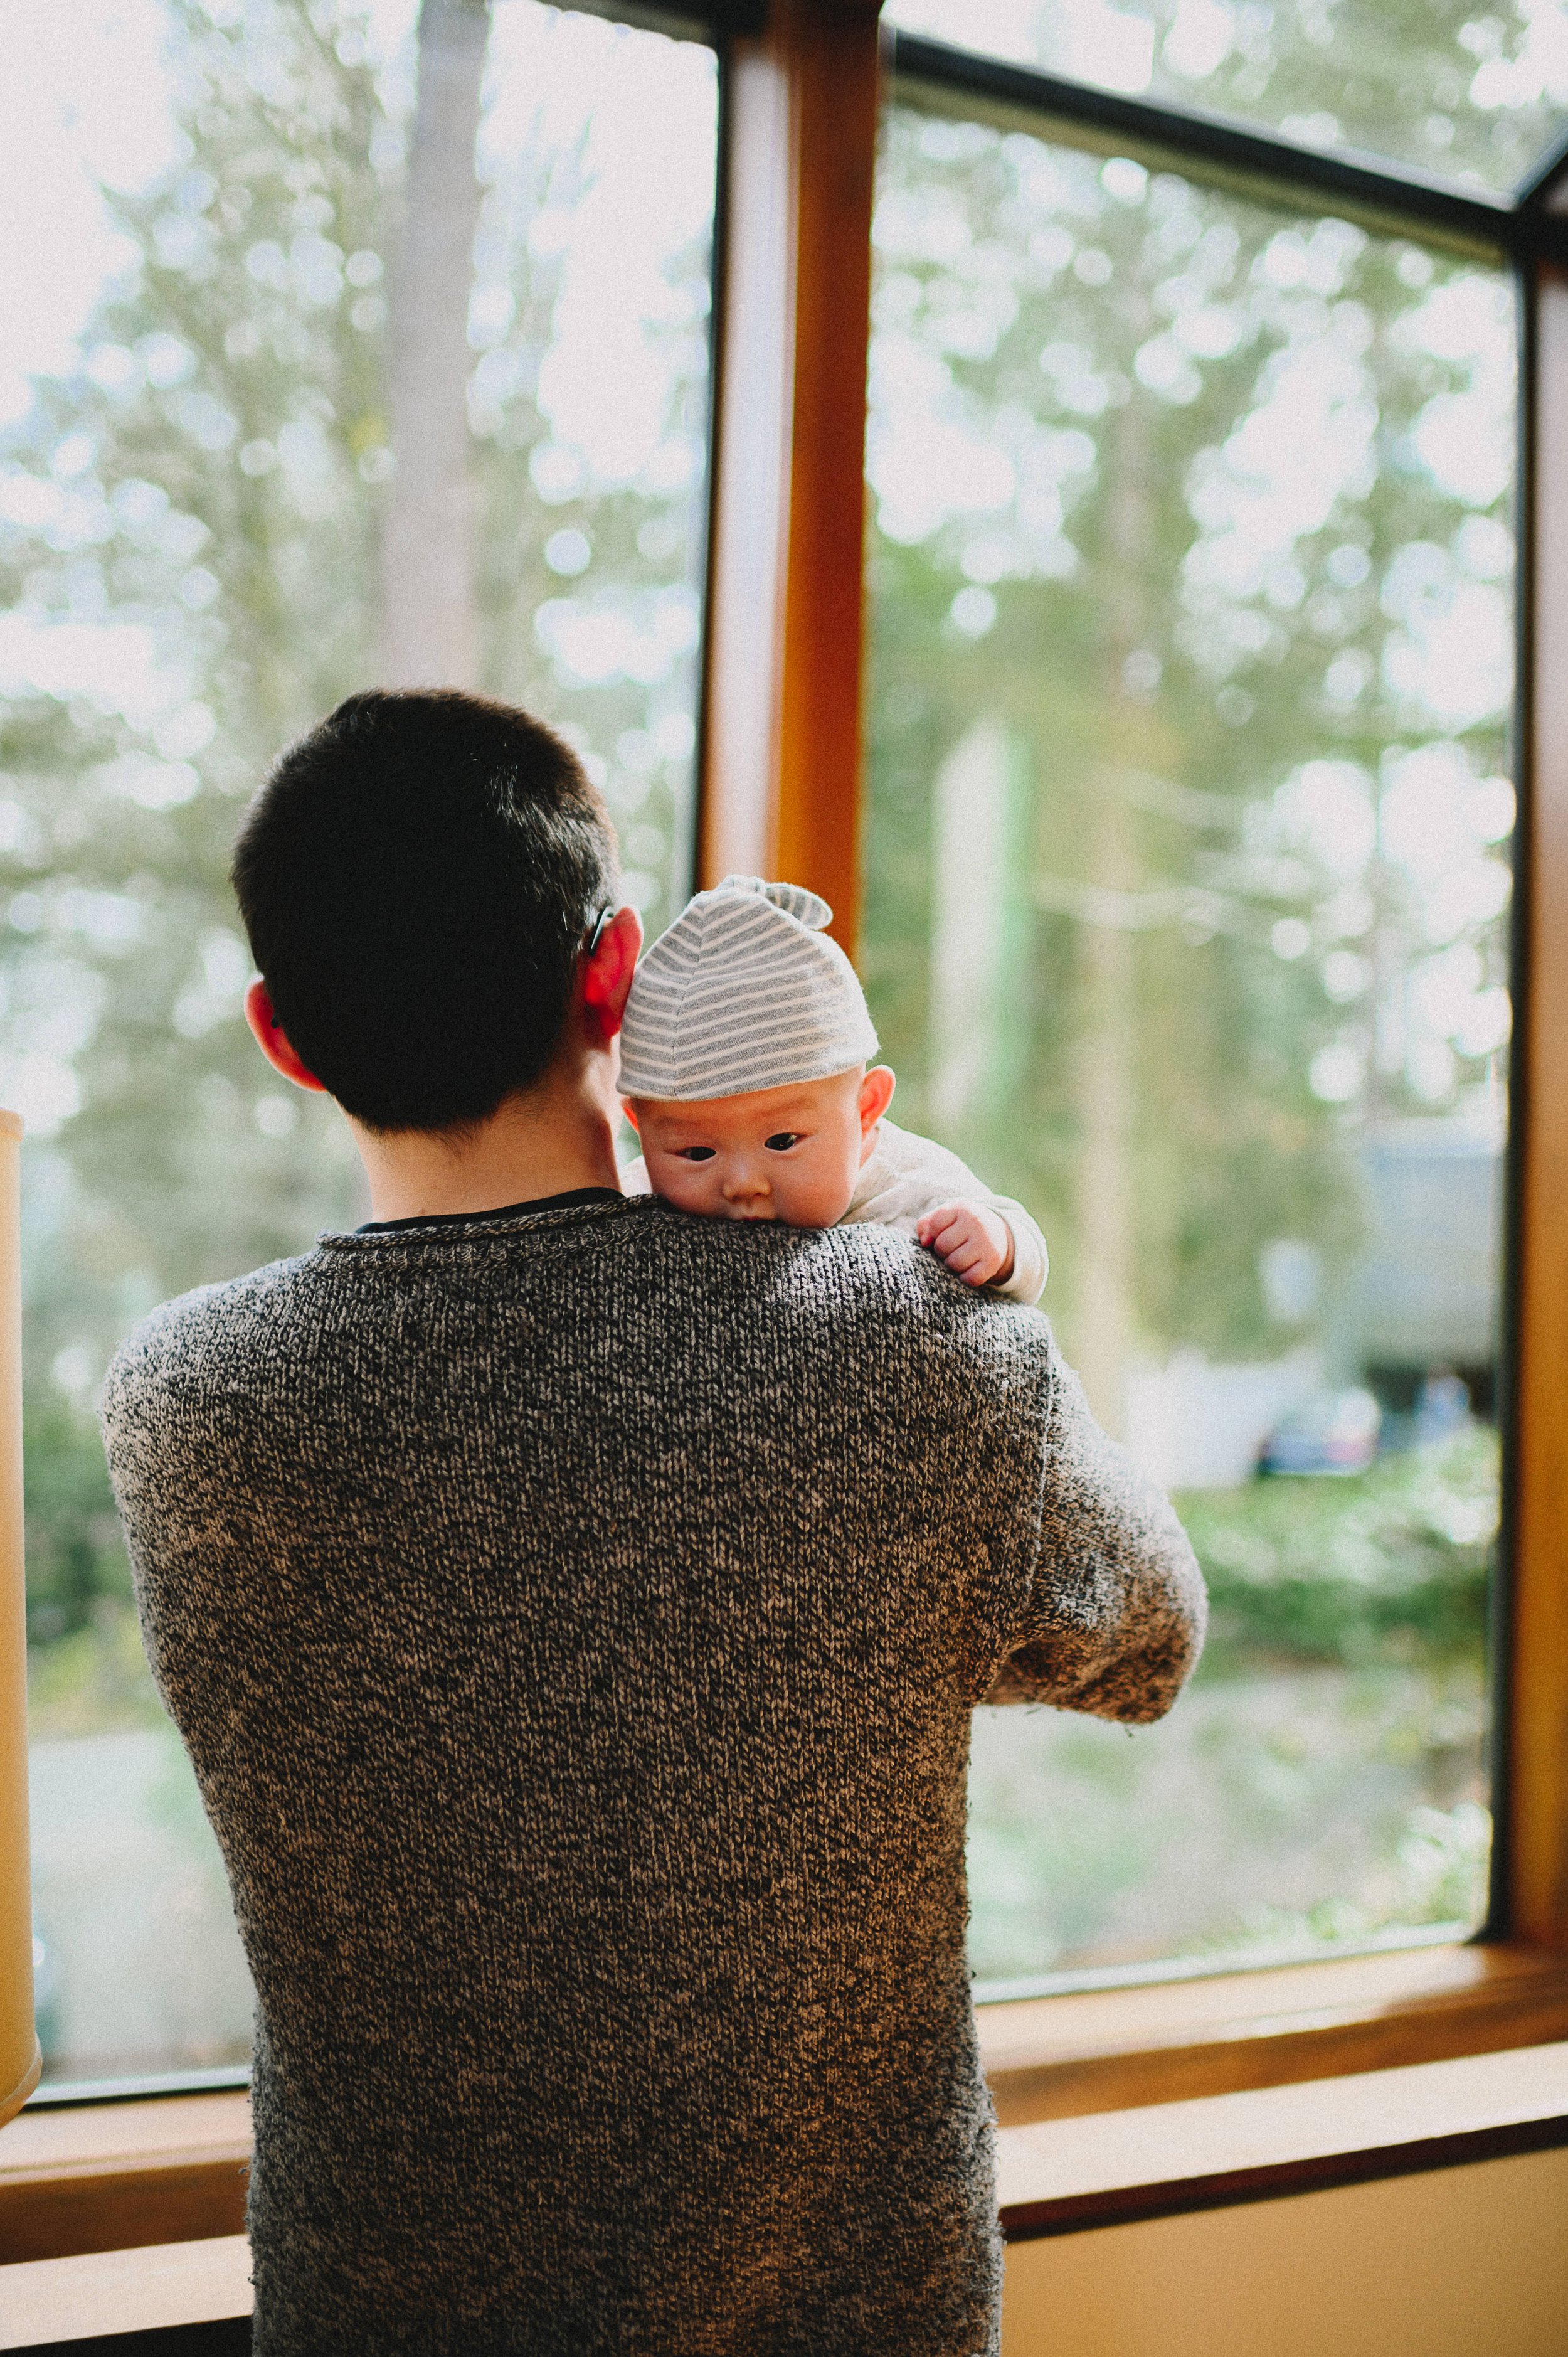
(693, 1152)
(782, 1140)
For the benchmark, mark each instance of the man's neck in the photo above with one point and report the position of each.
(555, 1138)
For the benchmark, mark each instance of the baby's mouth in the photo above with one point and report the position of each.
(756, 1213)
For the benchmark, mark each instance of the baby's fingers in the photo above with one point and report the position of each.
(972, 1261)
(939, 1223)
(959, 1234)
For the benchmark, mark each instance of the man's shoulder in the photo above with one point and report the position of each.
(200, 1335)
(869, 1279)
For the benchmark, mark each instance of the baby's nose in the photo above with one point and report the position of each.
(742, 1185)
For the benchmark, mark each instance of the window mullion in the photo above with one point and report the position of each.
(782, 748)
(1537, 1737)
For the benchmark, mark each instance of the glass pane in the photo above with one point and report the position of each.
(202, 317)
(1468, 95)
(1186, 897)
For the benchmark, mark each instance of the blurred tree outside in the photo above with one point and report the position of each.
(1189, 583)
(1186, 883)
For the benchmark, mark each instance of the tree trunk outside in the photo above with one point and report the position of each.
(1103, 1206)
(429, 635)
(1107, 976)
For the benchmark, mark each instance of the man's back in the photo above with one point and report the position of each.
(575, 1620)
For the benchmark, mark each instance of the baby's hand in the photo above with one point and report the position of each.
(974, 1242)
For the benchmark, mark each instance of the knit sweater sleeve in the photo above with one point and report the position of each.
(1109, 1615)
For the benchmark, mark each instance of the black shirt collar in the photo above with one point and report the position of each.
(500, 1211)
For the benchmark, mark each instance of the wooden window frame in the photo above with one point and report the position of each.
(782, 739)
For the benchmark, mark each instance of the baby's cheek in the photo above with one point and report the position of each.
(678, 1182)
(814, 1198)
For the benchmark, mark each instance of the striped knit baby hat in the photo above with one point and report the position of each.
(744, 991)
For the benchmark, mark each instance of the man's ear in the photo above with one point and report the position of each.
(607, 974)
(875, 1096)
(272, 1040)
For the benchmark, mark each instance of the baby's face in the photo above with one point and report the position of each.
(790, 1153)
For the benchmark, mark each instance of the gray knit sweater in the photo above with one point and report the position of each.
(575, 1616)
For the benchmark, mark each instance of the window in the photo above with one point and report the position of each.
(122, 1192)
(1186, 920)
(206, 494)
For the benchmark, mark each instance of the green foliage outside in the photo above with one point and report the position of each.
(1317, 1786)
(1386, 1566)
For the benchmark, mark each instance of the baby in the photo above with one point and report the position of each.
(744, 1070)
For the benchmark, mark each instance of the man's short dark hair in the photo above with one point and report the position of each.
(417, 878)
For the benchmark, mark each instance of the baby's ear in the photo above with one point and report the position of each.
(875, 1096)
(630, 1109)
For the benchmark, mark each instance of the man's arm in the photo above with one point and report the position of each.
(1113, 1617)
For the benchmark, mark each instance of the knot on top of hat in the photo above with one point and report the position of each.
(808, 907)
(744, 991)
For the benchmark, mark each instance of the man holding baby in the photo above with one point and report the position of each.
(574, 1602)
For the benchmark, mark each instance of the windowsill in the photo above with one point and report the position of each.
(1172, 2042)
(104, 2176)
(1058, 2176)
(107, 2176)
(107, 2293)
(1064, 2177)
